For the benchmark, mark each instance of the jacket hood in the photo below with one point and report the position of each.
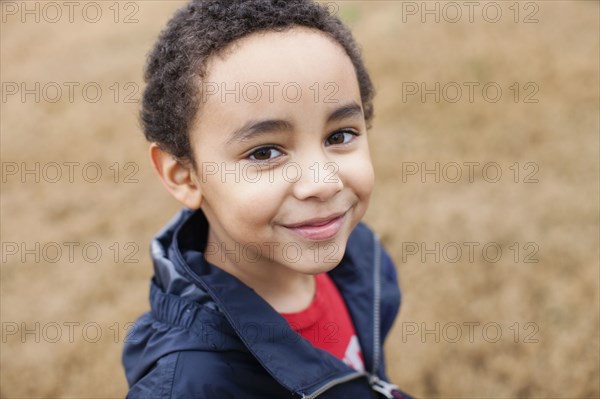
(168, 276)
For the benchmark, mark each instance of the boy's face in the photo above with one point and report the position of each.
(280, 140)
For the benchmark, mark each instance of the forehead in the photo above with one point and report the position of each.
(297, 53)
(278, 64)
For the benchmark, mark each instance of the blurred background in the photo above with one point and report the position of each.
(486, 149)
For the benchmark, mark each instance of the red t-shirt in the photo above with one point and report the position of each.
(326, 323)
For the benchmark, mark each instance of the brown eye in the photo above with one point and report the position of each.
(341, 137)
(336, 138)
(264, 154)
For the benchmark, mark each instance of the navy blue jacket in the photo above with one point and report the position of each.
(210, 336)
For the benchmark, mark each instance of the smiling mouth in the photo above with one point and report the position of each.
(319, 229)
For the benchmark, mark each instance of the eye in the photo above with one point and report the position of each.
(342, 137)
(264, 154)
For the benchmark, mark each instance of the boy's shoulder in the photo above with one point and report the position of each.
(205, 374)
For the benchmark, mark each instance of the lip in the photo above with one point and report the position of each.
(319, 229)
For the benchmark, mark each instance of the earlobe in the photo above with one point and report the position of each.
(176, 177)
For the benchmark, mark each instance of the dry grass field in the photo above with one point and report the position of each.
(499, 265)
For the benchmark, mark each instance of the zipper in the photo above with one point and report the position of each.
(388, 390)
(385, 388)
(376, 305)
(335, 382)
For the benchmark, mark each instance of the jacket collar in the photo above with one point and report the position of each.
(180, 269)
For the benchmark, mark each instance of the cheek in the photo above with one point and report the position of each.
(244, 203)
(359, 175)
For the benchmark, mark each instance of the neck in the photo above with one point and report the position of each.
(286, 290)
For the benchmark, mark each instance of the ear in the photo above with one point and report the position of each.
(179, 180)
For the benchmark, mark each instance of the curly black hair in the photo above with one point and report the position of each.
(176, 65)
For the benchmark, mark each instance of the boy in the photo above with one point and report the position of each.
(268, 285)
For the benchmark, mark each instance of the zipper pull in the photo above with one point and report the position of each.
(385, 388)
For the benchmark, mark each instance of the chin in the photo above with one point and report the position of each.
(321, 258)
(316, 268)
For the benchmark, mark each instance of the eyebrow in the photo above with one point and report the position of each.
(255, 128)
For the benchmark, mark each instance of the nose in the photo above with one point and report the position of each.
(318, 179)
